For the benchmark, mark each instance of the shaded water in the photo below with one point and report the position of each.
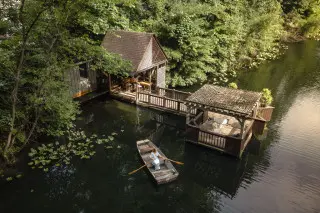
(279, 174)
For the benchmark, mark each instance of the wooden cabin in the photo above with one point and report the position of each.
(148, 60)
(82, 80)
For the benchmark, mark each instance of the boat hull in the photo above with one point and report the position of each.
(167, 172)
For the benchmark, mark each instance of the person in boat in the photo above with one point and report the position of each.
(155, 159)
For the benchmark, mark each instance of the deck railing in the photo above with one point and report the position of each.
(161, 100)
(173, 94)
(225, 143)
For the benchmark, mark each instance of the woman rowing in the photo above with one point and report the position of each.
(155, 159)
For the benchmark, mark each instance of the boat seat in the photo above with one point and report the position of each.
(145, 149)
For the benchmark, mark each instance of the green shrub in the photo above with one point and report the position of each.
(266, 98)
(233, 85)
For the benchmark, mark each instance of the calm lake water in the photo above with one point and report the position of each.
(280, 173)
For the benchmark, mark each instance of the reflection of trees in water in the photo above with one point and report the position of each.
(180, 196)
(293, 72)
(174, 197)
(204, 179)
(64, 186)
(221, 173)
(208, 168)
(61, 180)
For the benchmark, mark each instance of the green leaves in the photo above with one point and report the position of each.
(78, 145)
(266, 98)
(208, 41)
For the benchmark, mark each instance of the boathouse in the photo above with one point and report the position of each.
(220, 118)
(148, 60)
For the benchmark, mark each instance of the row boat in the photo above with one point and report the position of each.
(167, 172)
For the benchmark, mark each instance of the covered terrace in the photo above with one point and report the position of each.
(224, 117)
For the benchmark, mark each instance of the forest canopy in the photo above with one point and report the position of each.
(205, 40)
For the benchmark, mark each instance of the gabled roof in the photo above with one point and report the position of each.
(236, 101)
(133, 46)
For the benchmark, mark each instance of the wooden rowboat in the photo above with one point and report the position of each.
(167, 172)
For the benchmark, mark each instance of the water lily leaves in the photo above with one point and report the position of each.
(9, 178)
(59, 153)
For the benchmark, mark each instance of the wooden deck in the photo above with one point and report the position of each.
(205, 125)
(224, 138)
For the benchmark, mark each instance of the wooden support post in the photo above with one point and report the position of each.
(137, 96)
(188, 115)
(242, 122)
(150, 75)
(109, 82)
(157, 67)
(255, 110)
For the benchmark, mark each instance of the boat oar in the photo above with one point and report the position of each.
(134, 171)
(177, 162)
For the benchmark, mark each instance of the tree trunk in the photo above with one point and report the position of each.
(14, 96)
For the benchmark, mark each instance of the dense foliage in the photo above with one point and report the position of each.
(205, 40)
(44, 39)
(302, 18)
(210, 40)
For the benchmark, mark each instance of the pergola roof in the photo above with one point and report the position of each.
(234, 101)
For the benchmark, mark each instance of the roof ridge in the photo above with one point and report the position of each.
(244, 90)
(127, 31)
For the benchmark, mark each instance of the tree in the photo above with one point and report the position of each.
(302, 17)
(210, 40)
(46, 37)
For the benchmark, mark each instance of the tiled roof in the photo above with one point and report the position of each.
(234, 100)
(132, 46)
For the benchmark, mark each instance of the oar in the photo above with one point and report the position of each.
(134, 171)
(177, 162)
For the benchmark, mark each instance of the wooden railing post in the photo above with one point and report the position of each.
(137, 97)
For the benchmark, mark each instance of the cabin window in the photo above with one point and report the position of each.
(83, 70)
